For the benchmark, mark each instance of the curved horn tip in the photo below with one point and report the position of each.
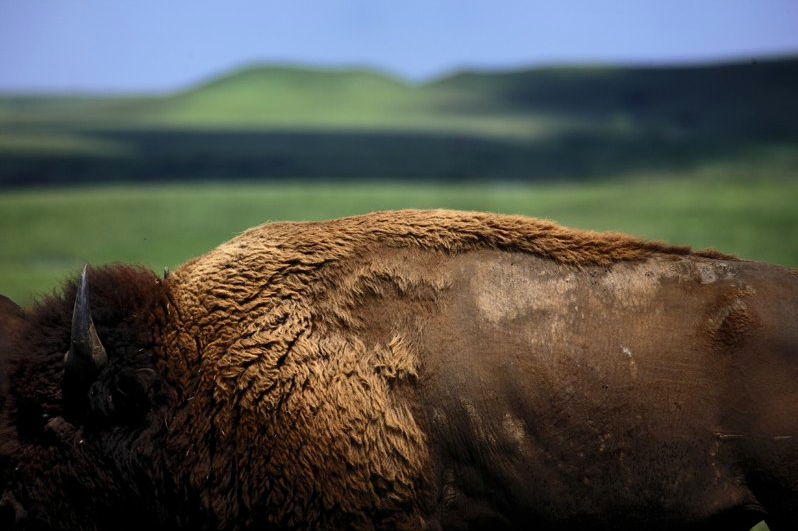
(86, 356)
(83, 285)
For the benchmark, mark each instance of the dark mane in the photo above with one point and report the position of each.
(127, 305)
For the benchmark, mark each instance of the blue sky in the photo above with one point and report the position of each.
(163, 45)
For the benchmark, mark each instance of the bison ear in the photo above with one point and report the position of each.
(131, 391)
(86, 356)
(124, 397)
(9, 308)
(12, 319)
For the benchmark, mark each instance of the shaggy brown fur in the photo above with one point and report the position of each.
(128, 309)
(403, 370)
(264, 331)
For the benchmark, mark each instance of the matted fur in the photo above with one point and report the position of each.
(286, 393)
(128, 306)
(404, 370)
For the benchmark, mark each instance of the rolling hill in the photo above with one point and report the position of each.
(274, 122)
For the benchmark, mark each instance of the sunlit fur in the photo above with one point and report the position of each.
(246, 390)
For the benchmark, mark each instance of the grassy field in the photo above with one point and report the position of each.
(49, 234)
(272, 123)
(701, 156)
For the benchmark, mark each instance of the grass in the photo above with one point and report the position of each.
(49, 234)
(708, 157)
(43, 144)
(277, 123)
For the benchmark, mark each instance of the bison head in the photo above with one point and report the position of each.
(85, 405)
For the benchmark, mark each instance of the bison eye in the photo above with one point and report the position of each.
(126, 396)
(131, 391)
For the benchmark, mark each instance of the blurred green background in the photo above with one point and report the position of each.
(704, 156)
(155, 170)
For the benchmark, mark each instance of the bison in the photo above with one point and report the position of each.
(407, 370)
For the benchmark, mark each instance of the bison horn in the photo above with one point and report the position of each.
(86, 356)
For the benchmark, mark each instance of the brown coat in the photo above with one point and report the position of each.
(457, 370)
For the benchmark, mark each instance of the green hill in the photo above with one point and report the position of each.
(751, 97)
(270, 122)
(286, 96)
